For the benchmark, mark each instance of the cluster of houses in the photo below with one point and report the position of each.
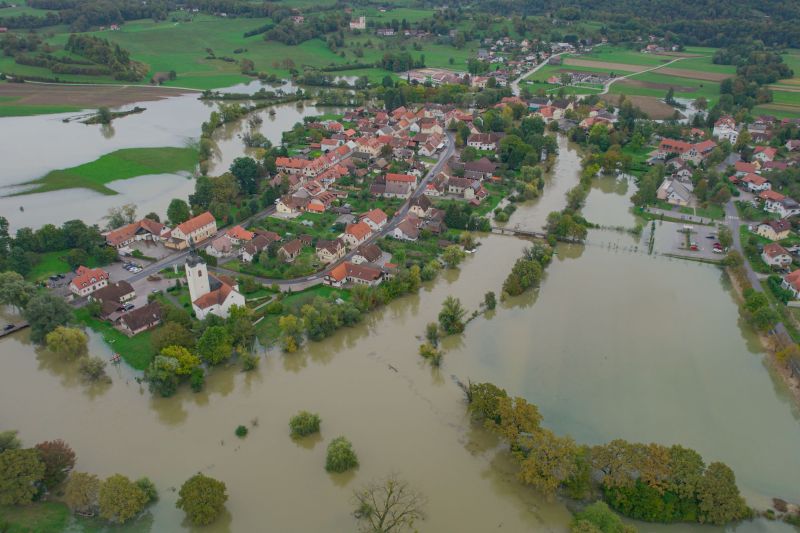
(579, 76)
(196, 229)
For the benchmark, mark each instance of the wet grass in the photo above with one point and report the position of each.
(268, 331)
(9, 107)
(119, 165)
(44, 517)
(137, 351)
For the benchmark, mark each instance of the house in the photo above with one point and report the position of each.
(399, 185)
(774, 230)
(792, 145)
(407, 230)
(330, 251)
(782, 205)
(143, 230)
(674, 192)
(419, 206)
(141, 319)
(259, 243)
(196, 229)
(791, 282)
(291, 205)
(220, 247)
(209, 294)
(776, 255)
(360, 274)
(480, 169)
(484, 141)
(119, 293)
(356, 234)
(743, 168)
(367, 253)
(461, 187)
(289, 251)
(359, 24)
(88, 280)
(375, 219)
(765, 153)
(239, 236)
(755, 183)
(725, 129)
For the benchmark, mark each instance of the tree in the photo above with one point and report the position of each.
(69, 343)
(547, 461)
(725, 237)
(93, 369)
(9, 441)
(20, 471)
(453, 255)
(149, 489)
(451, 317)
(245, 170)
(162, 375)
(490, 300)
(58, 459)
(484, 402)
(120, 216)
(178, 211)
(172, 334)
(45, 312)
(616, 463)
(80, 492)
(432, 333)
(104, 115)
(718, 496)
(601, 518)
(187, 361)
(291, 332)
(388, 506)
(341, 456)
(202, 498)
(214, 346)
(121, 499)
(517, 417)
(304, 423)
(14, 290)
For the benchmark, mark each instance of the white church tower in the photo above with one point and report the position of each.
(197, 277)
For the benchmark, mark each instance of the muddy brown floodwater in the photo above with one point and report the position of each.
(616, 343)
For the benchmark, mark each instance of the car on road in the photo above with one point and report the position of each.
(128, 306)
(693, 247)
(8, 327)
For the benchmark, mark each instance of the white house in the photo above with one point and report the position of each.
(776, 255)
(88, 280)
(375, 219)
(725, 129)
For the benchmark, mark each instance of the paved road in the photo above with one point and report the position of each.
(305, 282)
(515, 84)
(734, 222)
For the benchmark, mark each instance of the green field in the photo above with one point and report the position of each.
(618, 54)
(45, 517)
(268, 331)
(9, 108)
(119, 165)
(52, 263)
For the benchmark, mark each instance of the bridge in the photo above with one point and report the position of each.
(518, 231)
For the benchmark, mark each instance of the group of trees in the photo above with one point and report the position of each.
(644, 481)
(79, 243)
(183, 352)
(528, 270)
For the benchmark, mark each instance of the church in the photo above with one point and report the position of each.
(210, 294)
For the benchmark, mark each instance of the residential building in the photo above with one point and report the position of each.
(367, 253)
(774, 230)
(289, 251)
(484, 141)
(356, 234)
(407, 230)
(375, 219)
(141, 319)
(259, 243)
(220, 247)
(755, 183)
(675, 192)
(479, 170)
(143, 230)
(791, 282)
(725, 129)
(196, 230)
(359, 24)
(88, 280)
(399, 185)
(776, 255)
(419, 206)
(783, 206)
(239, 236)
(358, 274)
(330, 251)
(119, 292)
(765, 153)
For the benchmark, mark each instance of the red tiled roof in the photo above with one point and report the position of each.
(193, 224)
(406, 178)
(86, 277)
(359, 230)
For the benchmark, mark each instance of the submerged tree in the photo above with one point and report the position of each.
(388, 506)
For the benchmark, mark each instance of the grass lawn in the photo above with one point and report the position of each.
(137, 351)
(52, 263)
(119, 165)
(45, 517)
(10, 108)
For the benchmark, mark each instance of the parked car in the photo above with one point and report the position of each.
(8, 327)
(128, 306)
(693, 247)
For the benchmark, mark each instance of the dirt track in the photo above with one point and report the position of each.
(84, 95)
(694, 74)
(605, 65)
(655, 108)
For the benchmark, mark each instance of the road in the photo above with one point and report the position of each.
(735, 223)
(515, 84)
(316, 278)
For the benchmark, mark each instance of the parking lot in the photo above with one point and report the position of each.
(156, 250)
(671, 239)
